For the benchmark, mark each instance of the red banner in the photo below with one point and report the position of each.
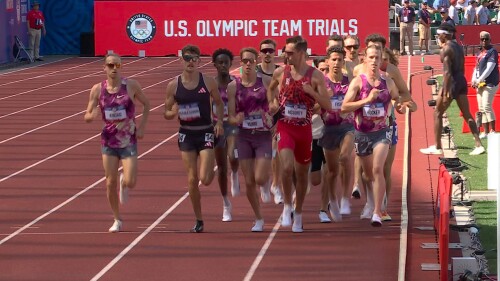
(163, 27)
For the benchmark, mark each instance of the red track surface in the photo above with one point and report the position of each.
(54, 214)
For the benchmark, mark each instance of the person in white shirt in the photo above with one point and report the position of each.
(470, 17)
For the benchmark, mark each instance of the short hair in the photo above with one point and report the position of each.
(484, 34)
(222, 51)
(250, 50)
(354, 37)
(268, 41)
(300, 43)
(373, 47)
(191, 49)
(335, 49)
(375, 37)
(318, 60)
(112, 55)
(335, 37)
(392, 57)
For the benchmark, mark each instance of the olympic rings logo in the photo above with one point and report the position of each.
(141, 28)
(141, 32)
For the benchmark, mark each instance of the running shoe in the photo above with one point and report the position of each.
(345, 206)
(198, 227)
(297, 223)
(116, 227)
(278, 196)
(386, 216)
(258, 226)
(367, 212)
(478, 150)
(356, 193)
(323, 217)
(265, 193)
(226, 213)
(376, 221)
(431, 150)
(286, 216)
(335, 211)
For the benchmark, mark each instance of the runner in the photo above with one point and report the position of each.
(248, 108)
(300, 87)
(225, 147)
(369, 97)
(188, 98)
(115, 97)
(338, 135)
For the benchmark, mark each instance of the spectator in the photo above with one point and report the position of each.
(438, 4)
(406, 18)
(36, 25)
(470, 16)
(446, 18)
(485, 79)
(424, 28)
(453, 13)
(483, 13)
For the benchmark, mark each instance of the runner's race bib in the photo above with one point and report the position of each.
(226, 112)
(336, 102)
(115, 113)
(374, 110)
(295, 111)
(189, 112)
(253, 122)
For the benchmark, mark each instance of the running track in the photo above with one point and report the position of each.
(54, 214)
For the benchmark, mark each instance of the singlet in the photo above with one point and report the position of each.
(118, 114)
(261, 71)
(252, 101)
(194, 105)
(295, 105)
(334, 117)
(223, 96)
(373, 116)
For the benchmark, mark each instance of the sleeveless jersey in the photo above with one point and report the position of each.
(373, 116)
(295, 105)
(261, 71)
(194, 105)
(223, 96)
(252, 101)
(118, 114)
(334, 117)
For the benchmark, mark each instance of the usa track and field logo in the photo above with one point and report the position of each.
(141, 28)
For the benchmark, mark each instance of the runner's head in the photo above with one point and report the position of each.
(296, 50)
(351, 46)
(334, 40)
(321, 65)
(372, 57)
(190, 57)
(222, 59)
(445, 32)
(336, 59)
(388, 57)
(375, 39)
(267, 49)
(248, 57)
(112, 64)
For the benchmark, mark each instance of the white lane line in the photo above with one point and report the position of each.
(15, 233)
(59, 83)
(263, 251)
(48, 74)
(79, 92)
(21, 69)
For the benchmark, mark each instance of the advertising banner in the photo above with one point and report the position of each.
(163, 27)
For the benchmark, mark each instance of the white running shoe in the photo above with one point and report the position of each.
(226, 213)
(483, 135)
(376, 221)
(123, 191)
(258, 226)
(235, 184)
(297, 223)
(116, 227)
(335, 211)
(431, 150)
(478, 150)
(367, 212)
(286, 216)
(356, 193)
(345, 206)
(265, 193)
(278, 196)
(323, 217)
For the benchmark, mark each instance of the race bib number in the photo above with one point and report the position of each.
(374, 110)
(182, 137)
(295, 111)
(209, 137)
(214, 109)
(115, 113)
(188, 112)
(336, 102)
(253, 122)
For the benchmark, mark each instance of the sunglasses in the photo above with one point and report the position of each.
(245, 61)
(113, 65)
(267, 51)
(188, 58)
(355, 47)
(485, 39)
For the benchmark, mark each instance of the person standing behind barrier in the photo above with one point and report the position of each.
(424, 28)
(369, 97)
(189, 98)
(249, 109)
(300, 88)
(36, 27)
(470, 16)
(483, 13)
(485, 79)
(454, 87)
(225, 147)
(115, 97)
(406, 18)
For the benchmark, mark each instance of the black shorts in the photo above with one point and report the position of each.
(317, 157)
(333, 136)
(196, 140)
(365, 142)
(458, 86)
(229, 130)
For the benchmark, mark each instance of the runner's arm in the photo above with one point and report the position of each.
(219, 104)
(93, 102)
(318, 90)
(141, 97)
(231, 104)
(171, 107)
(349, 104)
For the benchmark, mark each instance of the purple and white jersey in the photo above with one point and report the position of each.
(223, 95)
(252, 101)
(334, 117)
(372, 117)
(118, 114)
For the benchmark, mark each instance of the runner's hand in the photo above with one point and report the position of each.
(373, 94)
(218, 129)
(139, 133)
(240, 117)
